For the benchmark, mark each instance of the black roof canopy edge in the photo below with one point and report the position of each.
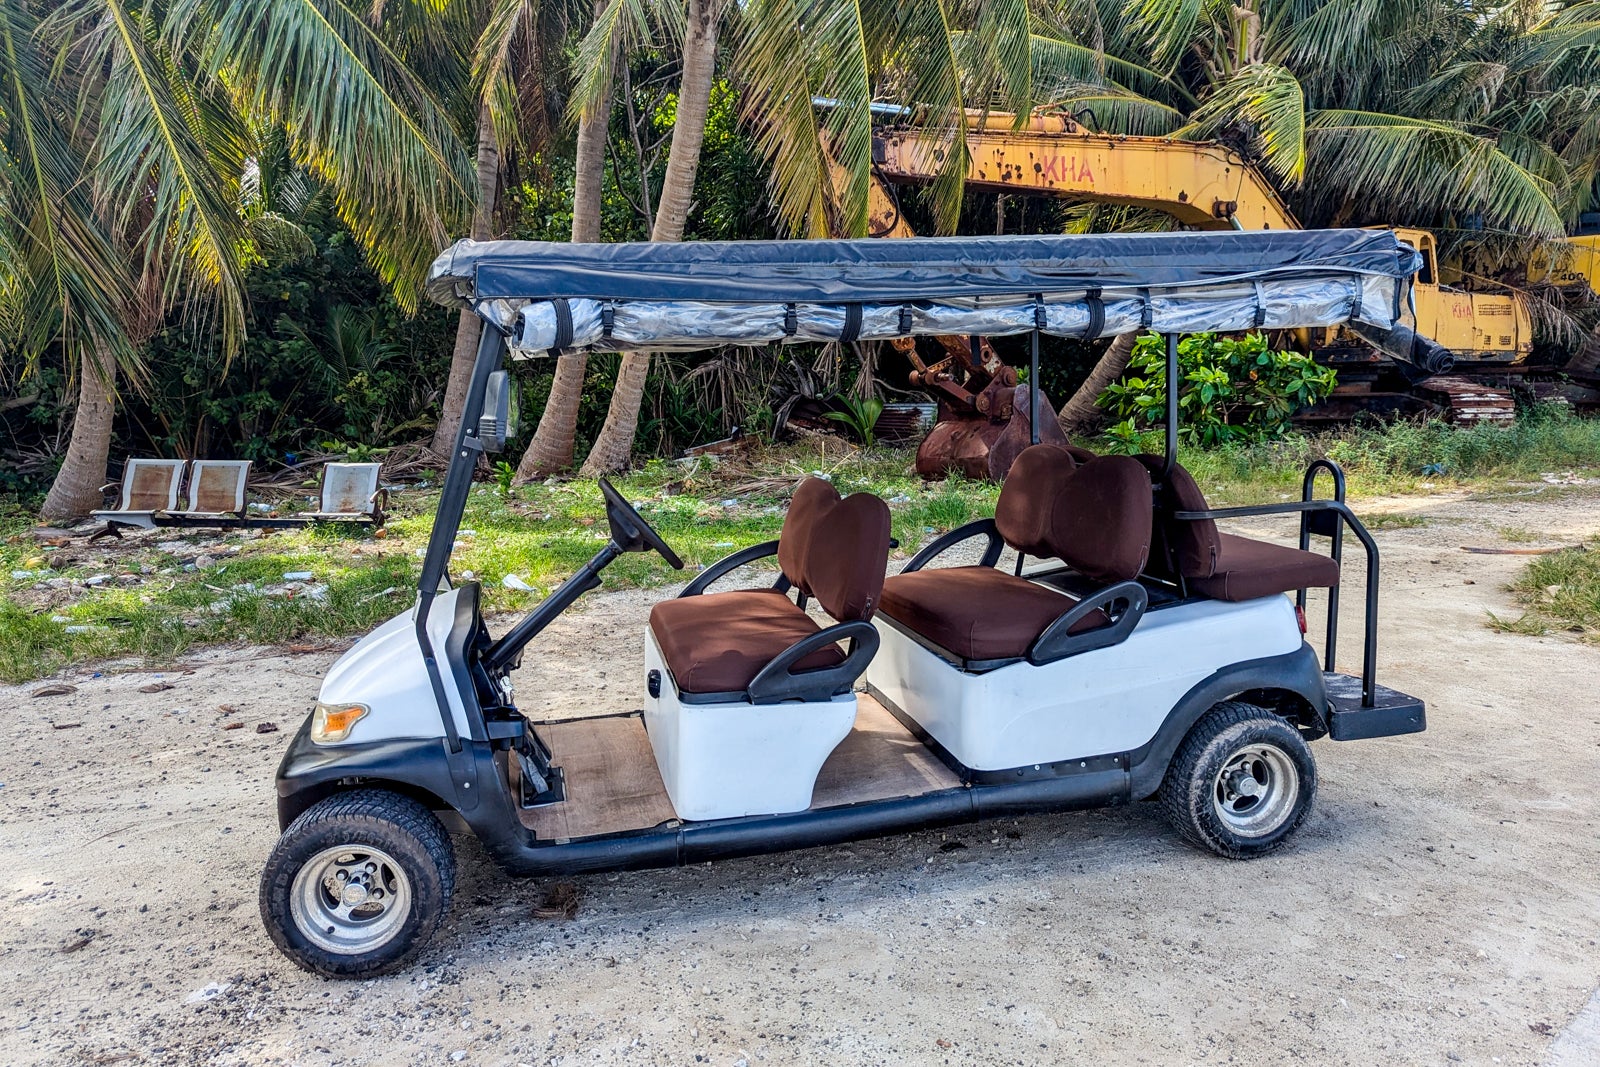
(902, 270)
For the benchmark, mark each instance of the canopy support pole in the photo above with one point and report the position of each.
(1033, 371)
(1171, 459)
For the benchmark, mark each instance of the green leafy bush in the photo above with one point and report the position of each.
(1235, 390)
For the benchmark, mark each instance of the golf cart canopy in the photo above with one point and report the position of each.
(701, 294)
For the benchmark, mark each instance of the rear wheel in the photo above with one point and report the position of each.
(1241, 782)
(357, 884)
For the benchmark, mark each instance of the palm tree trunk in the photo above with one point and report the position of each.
(468, 324)
(614, 447)
(1081, 414)
(76, 490)
(551, 448)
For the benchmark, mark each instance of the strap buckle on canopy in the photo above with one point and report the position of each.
(905, 319)
(1147, 310)
(791, 320)
(1260, 317)
(1097, 315)
(608, 319)
(563, 310)
(851, 331)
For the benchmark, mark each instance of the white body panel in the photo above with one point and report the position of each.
(384, 670)
(1097, 703)
(721, 761)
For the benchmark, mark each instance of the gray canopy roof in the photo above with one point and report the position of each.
(704, 293)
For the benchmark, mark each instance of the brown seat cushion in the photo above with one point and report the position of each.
(836, 550)
(1247, 568)
(1100, 520)
(977, 613)
(718, 642)
(1187, 547)
(1023, 513)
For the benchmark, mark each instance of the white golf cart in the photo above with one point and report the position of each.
(1133, 650)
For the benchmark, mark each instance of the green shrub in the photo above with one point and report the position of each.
(1235, 390)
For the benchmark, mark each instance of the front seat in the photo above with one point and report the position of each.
(760, 646)
(1096, 517)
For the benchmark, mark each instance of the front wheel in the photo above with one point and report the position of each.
(1241, 782)
(357, 884)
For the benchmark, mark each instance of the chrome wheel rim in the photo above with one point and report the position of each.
(350, 899)
(1256, 790)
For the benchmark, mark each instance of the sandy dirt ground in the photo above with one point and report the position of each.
(1441, 905)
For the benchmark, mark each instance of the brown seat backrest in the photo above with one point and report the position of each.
(1183, 547)
(836, 550)
(1101, 519)
(1022, 515)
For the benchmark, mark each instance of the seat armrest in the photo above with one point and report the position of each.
(777, 683)
(1058, 641)
(733, 562)
(939, 545)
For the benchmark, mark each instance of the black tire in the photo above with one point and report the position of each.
(399, 867)
(1258, 751)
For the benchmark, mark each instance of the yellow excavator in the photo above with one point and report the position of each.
(1580, 262)
(1204, 185)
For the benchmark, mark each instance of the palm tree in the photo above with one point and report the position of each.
(551, 448)
(614, 446)
(502, 81)
(163, 98)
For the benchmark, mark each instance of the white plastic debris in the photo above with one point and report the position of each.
(210, 991)
(297, 576)
(23, 576)
(512, 581)
(97, 579)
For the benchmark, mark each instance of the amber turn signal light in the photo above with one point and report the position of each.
(332, 722)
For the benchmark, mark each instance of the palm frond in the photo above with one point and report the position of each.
(183, 148)
(622, 26)
(68, 281)
(356, 115)
(1001, 64)
(1114, 111)
(1396, 166)
(812, 197)
(1267, 101)
(1059, 62)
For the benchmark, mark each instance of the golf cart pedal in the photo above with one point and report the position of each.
(1391, 713)
(555, 785)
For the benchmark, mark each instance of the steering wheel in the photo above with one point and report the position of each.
(629, 529)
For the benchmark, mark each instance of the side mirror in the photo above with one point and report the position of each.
(498, 423)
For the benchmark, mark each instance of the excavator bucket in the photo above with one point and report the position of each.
(983, 446)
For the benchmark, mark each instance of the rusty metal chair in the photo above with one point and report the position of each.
(350, 493)
(149, 488)
(216, 493)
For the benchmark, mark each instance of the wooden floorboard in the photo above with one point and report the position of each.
(612, 784)
(611, 779)
(879, 760)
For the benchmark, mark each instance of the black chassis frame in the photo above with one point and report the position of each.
(471, 776)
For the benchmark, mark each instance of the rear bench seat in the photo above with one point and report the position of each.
(1219, 565)
(1096, 517)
